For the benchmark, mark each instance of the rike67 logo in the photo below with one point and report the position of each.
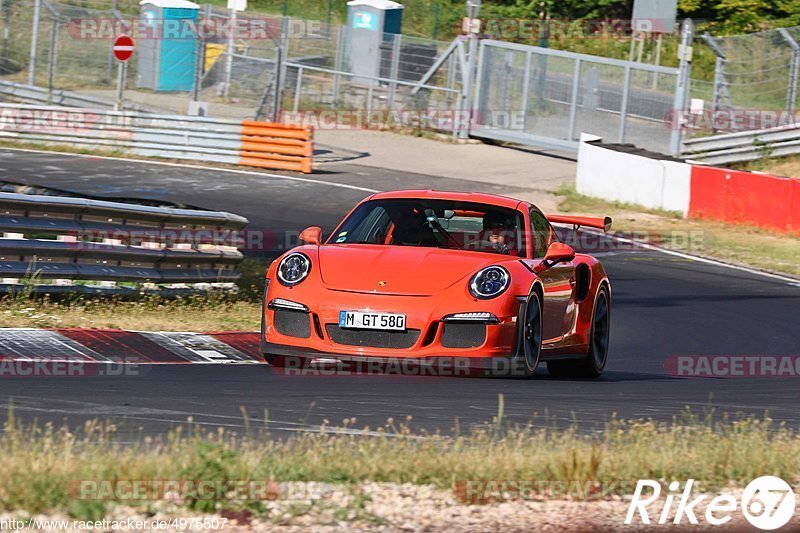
(767, 503)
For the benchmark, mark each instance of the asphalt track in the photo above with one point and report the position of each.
(663, 305)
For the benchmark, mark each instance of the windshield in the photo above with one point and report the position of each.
(434, 224)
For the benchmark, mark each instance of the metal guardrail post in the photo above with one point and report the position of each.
(37, 8)
(681, 86)
(791, 93)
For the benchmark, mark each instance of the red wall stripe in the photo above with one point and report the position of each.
(742, 197)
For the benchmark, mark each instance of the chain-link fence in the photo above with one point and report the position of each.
(754, 84)
(270, 64)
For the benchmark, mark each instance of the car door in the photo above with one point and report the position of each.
(558, 280)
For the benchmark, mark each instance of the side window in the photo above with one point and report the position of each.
(542, 234)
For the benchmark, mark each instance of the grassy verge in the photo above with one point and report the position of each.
(778, 166)
(42, 466)
(193, 313)
(735, 244)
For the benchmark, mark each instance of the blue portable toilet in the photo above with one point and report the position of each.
(167, 58)
(371, 27)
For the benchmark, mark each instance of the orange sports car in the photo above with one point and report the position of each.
(479, 280)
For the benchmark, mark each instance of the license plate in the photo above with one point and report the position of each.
(382, 321)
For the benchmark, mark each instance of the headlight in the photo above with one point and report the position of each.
(294, 268)
(489, 282)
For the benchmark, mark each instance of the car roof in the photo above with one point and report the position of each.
(430, 194)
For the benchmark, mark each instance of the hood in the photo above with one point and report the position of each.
(398, 269)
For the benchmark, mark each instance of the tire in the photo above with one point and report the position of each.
(529, 345)
(593, 364)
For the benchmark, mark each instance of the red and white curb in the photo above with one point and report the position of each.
(132, 347)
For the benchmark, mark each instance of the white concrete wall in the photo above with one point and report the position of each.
(621, 177)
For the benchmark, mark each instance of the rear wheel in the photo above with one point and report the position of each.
(595, 361)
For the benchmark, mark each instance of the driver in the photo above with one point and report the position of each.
(498, 235)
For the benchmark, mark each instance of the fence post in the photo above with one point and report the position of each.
(623, 111)
(230, 50)
(6, 32)
(280, 67)
(573, 105)
(681, 86)
(115, 16)
(51, 67)
(791, 93)
(719, 79)
(37, 8)
(200, 58)
(526, 89)
(469, 81)
(340, 38)
(395, 67)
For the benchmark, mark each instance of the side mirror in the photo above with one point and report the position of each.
(557, 252)
(312, 235)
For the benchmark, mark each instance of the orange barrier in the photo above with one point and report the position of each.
(746, 198)
(276, 146)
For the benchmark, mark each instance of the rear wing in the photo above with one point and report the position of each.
(603, 223)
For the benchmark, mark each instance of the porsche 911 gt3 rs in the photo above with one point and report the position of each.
(420, 275)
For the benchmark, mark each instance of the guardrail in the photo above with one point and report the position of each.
(33, 94)
(743, 146)
(249, 143)
(58, 244)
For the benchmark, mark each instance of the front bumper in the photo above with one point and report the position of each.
(295, 325)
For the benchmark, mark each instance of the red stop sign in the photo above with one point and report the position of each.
(123, 47)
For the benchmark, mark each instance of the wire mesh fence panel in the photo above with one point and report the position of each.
(649, 113)
(601, 90)
(754, 83)
(551, 93)
(553, 96)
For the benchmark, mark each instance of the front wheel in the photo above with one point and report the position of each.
(529, 346)
(595, 361)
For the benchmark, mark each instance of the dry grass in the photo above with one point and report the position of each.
(197, 313)
(736, 244)
(41, 465)
(782, 166)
